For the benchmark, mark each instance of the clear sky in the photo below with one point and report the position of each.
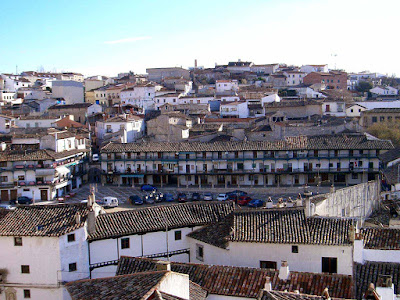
(107, 37)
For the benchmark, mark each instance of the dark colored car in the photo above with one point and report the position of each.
(196, 197)
(22, 200)
(148, 188)
(182, 197)
(237, 193)
(135, 199)
(148, 199)
(256, 203)
(169, 198)
(244, 200)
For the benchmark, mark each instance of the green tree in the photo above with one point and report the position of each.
(363, 86)
(386, 131)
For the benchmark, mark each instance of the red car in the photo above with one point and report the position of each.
(244, 200)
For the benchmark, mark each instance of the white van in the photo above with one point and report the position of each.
(109, 202)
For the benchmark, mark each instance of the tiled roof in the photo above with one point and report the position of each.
(69, 106)
(277, 295)
(43, 220)
(323, 142)
(390, 155)
(34, 155)
(150, 219)
(382, 110)
(367, 273)
(245, 282)
(276, 226)
(381, 238)
(133, 286)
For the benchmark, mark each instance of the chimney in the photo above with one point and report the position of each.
(325, 294)
(284, 270)
(195, 63)
(385, 287)
(358, 248)
(78, 218)
(267, 285)
(163, 266)
(352, 233)
(332, 190)
(91, 222)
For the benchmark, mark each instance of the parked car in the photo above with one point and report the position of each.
(158, 197)
(148, 188)
(109, 202)
(196, 197)
(222, 197)
(237, 193)
(95, 157)
(232, 197)
(148, 199)
(6, 206)
(169, 197)
(244, 200)
(182, 198)
(22, 200)
(256, 203)
(208, 196)
(135, 199)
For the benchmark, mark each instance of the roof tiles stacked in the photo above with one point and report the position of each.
(43, 220)
(331, 142)
(276, 226)
(157, 218)
(245, 282)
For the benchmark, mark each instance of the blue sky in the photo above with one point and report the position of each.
(107, 37)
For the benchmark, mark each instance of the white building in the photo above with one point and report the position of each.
(334, 108)
(144, 232)
(294, 78)
(355, 110)
(384, 91)
(308, 244)
(236, 109)
(70, 91)
(141, 95)
(42, 248)
(122, 128)
(36, 121)
(224, 86)
(6, 122)
(7, 97)
(314, 68)
(172, 98)
(270, 99)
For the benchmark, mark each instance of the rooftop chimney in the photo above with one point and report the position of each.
(284, 270)
(163, 266)
(385, 287)
(325, 294)
(371, 293)
(78, 218)
(267, 285)
(358, 247)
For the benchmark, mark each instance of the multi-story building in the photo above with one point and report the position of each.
(379, 115)
(71, 91)
(333, 159)
(42, 248)
(224, 86)
(332, 80)
(158, 74)
(294, 77)
(42, 167)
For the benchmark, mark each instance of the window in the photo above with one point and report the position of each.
(25, 269)
(266, 264)
(125, 243)
(71, 237)
(27, 293)
(199, 252)
(18, 241)
(21, 177)
(329, 264)
(374, 119)
(72, 267)
(295, 249)
(178, 235)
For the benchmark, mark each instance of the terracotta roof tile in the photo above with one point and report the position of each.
(381, 238)
(245, 282)
(43, 220)
(276, 226)
(155, 218)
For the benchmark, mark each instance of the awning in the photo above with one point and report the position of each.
(63, 170)
(133, 175)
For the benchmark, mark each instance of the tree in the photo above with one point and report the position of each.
(363, 86)
(386, 131)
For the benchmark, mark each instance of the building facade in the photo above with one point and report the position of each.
(340, 159)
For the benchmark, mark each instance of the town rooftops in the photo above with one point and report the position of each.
(381, 238)
(135, 286)
(122, 118)
(278, 295)
(245, 282)
(382, 110)
(69, 106)
(39, 154)
(156, 218)
(43, 220)
(279, 226)
(323, 142)
(368, 273)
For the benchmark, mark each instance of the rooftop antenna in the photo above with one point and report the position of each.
(334, 55)
(16, 69)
